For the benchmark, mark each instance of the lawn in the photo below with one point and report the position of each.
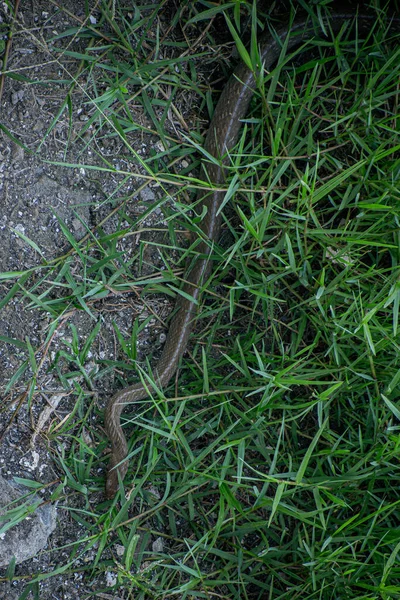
(269, 466)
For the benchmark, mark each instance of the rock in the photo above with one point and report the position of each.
(29, 535)
(147, 195)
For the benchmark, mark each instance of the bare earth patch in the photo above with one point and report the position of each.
(41, 204)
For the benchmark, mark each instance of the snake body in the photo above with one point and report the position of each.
(222, 136)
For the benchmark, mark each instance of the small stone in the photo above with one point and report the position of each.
(27, 537)
(17, 96)
(111, 579)
(30, 463)
(76, 224)
(158, 545)
(147, 195)
(19, 228)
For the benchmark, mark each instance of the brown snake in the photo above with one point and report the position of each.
(222, 136)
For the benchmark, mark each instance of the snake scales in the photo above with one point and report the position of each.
(222, 136)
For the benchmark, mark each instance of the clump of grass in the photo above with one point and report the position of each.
(269, 467)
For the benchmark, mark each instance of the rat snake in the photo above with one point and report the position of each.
(222, 136)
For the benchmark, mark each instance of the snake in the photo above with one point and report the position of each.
(222, 136)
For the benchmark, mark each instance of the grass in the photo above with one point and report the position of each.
(270, 467)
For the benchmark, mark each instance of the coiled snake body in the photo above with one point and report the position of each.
(222, 136)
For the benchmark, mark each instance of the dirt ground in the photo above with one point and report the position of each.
(35, 197)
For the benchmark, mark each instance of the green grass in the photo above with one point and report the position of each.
(270, 468)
